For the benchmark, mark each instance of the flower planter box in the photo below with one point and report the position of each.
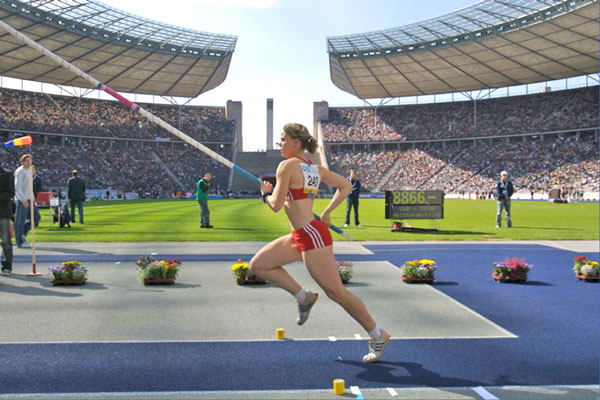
(418, 271)
(152, 271)
(161, 281)
(417, 280)
(68, 282)
(68, 273)
(251, 280)
(586, 269)
(588, 278)
(345, 271)
(512, 270)
(510, 278)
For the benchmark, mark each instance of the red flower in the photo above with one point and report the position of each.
(515, 262)
(580, 258)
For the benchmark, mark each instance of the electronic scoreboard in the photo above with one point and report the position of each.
(414, 204)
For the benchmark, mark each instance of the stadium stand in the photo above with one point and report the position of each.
(567, 159)
(74, 129)
(112, 147)
(564, 162)
(37, 112)
(127, 167)
(565, 109)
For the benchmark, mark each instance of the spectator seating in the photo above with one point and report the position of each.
(544, 112)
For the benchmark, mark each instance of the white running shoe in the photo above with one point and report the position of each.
(376, 347)
(305, 306)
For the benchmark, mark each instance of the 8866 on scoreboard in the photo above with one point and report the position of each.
(414, 204)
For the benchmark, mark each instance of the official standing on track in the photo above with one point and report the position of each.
(297, 184)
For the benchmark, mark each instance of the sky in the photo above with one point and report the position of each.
(281, 50)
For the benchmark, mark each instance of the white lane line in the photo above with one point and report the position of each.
(485, 395)
(457, 248)
(332, 338)
(357, 336)
(392, 392)
(356, 391)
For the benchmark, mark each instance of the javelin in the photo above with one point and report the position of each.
(135, 107)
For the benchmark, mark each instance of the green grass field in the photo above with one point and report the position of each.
(251, 220)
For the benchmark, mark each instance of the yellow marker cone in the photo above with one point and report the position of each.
(339, 386)
(280, 333)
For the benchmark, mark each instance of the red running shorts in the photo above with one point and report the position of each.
(313, 235)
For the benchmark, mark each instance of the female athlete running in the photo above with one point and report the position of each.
(297, 184)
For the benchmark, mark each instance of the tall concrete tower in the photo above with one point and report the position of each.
(234, 113)
(269, 124)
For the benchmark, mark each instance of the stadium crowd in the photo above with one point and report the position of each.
(370, 165)
(544, 112)
(535, 165)
(37, 112)
(127, 167)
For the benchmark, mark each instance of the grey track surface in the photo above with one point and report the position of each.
(207, 305)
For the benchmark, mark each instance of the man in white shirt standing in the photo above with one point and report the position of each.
(23, 199)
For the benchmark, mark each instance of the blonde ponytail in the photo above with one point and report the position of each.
(299, 131)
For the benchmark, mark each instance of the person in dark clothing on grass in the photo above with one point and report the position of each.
(504, 189)
(37, 187)
(352, 199)
(76, 195)
(7, 192)
(202, 196)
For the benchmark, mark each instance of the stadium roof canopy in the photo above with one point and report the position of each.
(127, 52)
(491, 44)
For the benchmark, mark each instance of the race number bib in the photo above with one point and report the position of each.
(311, 179)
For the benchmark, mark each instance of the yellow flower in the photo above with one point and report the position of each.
(413, 262)
(235, 267)
(427, 262)
(593, 263)
(71, 263)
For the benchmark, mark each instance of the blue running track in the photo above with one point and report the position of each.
(554, 315)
